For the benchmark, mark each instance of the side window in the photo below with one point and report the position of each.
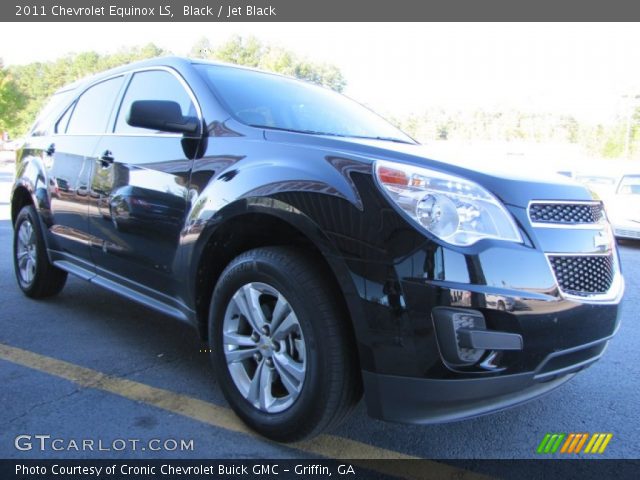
(152, 85)
(93, 108)
(49, 113)
(61, 126)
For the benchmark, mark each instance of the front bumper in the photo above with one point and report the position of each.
(427, 401)
(408, 378)
(531, 294)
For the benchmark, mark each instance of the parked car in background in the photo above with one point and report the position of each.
(621, 196)
(11, 145)
(623, 207)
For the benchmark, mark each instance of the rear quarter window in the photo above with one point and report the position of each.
(93, 109)
(48, 115)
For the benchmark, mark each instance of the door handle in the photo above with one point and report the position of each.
(106, 158)
(51, 149)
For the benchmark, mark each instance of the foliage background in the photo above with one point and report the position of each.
(25, 88)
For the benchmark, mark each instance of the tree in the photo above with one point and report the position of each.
(201, 49)
(38, 81)
(11, 100)
(252, 52)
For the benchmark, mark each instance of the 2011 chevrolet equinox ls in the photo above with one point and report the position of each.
(317, 248)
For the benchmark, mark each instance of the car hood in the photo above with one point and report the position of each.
(514, 182)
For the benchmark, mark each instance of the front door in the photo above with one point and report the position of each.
(139, 193)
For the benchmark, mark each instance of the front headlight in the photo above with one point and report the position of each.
(453, 209)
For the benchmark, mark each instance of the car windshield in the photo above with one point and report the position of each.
(630, 185)
(271, 101)
(596, 180)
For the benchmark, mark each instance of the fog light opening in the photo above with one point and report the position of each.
(464, 340)
(463, 322)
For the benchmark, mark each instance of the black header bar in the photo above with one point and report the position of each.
(318, 469)
(316, 10)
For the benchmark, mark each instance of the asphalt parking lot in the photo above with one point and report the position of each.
(54, 356)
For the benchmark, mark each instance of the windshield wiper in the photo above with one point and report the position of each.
(315, 132)
(311, 132)
(385, 139)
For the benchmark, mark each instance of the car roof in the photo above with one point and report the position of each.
(169, 61)
(165, 61)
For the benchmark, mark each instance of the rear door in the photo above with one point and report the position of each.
(70, 157)
(139, 191)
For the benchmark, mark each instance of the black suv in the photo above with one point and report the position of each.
(318, 249)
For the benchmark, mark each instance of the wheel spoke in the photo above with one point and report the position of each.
(299, 346)
(235, 339)
(289, 381)
(240, 302)
(240, 354)
(254, 387)
(253, 297)
(30, 239)
(285, 364)
(260, 388)
(23, 235)
(23, 261)
(246, 299)
(289, 323)
(266, 381)
(29, 268)
(279, 312)
(292, 387)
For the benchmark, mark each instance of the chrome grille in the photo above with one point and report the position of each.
(583, 275)
(566, 213)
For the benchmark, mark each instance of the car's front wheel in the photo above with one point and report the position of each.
(35, 274)
(281, 344)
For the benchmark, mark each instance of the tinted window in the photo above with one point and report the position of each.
(272, 101)
(153, 85)
(61, 126)
(50, 112)
(93, 108)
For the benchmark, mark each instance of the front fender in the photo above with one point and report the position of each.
(31, 176)
(295, 219)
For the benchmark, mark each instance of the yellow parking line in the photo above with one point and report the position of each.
(329, 446)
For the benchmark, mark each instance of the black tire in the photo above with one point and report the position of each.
(332, 384)
(44, 279)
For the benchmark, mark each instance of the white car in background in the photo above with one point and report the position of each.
(11, 145)
(621, 197)
(623, 207)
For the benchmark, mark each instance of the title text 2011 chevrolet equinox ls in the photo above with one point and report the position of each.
(318, 249)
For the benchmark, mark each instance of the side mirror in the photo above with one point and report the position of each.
(160, 115)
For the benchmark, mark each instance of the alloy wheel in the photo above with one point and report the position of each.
(26, 253)
(264, 347)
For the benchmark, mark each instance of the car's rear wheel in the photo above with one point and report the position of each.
(35, 274)
(281, 345)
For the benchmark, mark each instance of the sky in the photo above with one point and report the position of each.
(582, 69)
